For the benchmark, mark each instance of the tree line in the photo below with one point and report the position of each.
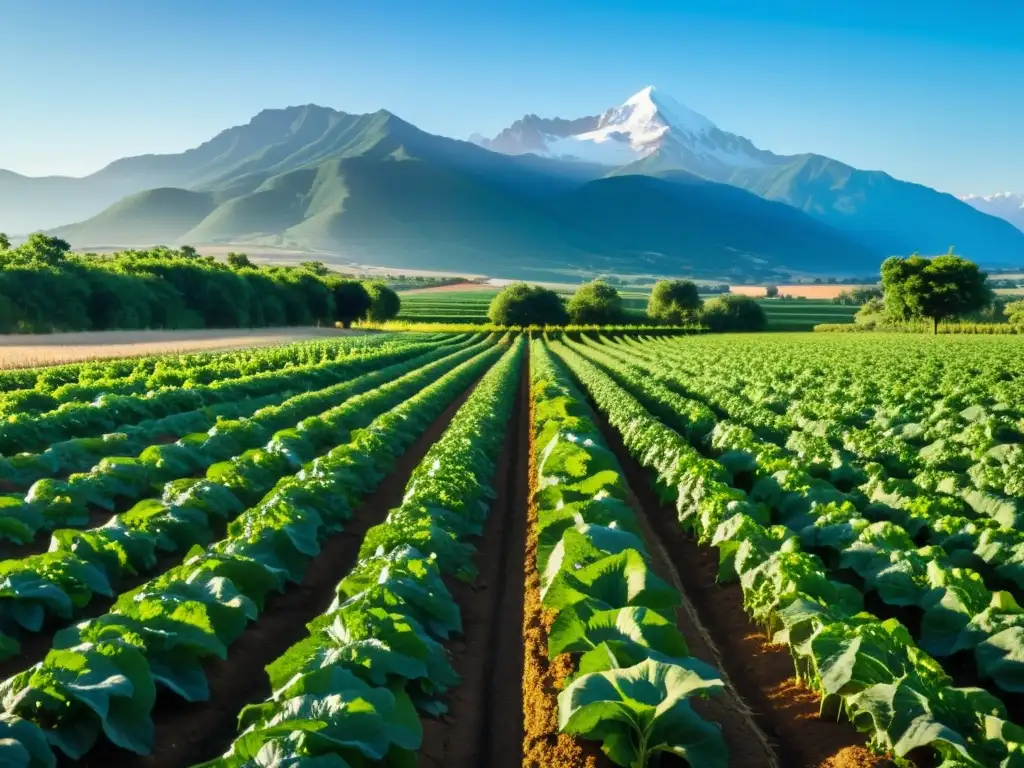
(45, 287)
(672, 302)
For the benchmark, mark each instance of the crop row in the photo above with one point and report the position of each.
(868, 668)
(33, 432)
(102, 674)
(352, 688)
(50, 503)
(189, 511)
(635, 678)
(872, 532)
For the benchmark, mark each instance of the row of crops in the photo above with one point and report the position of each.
(318, 513)
(471, 307)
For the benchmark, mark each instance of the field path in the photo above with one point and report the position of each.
(28, 350)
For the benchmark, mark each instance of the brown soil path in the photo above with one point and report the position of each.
(189, 733)
(29, 350)
(760, 672)
(483, 726)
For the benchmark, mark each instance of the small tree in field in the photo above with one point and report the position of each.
(771, 291)
(595, 303)
(351, 302)
(674, 301)
(384, 302)
(733, 312)
(940, 288)
(5, 242)
(520, 304)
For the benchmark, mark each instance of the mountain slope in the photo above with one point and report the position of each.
(390, 193)
(1005, 205)
(690, 223)
(650, 134)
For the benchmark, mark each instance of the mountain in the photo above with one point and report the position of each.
(650, 133)
(376, 189)
(1005, 205)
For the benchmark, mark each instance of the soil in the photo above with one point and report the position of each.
(30, 350)
(543, 746)
(189, 733)
(719, 632)
(480, 728)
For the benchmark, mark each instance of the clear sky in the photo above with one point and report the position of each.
(929, 91)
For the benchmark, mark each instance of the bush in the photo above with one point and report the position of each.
(733, 312)
(520, 304)
(384, 302)
(675, 302)
(595, 303)
(351, 301)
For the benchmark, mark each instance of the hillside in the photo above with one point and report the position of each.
(651, 133)
(689, 222)
(377, 189)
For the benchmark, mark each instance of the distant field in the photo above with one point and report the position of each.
(469, 304)
(25, 350)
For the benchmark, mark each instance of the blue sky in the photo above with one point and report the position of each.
(929, 91)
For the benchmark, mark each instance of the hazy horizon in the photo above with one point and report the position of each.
(924, 93)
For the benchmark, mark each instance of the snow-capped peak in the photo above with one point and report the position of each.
(650, 121)
(643, 120)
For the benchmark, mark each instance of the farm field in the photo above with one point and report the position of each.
(24, 350)
(470, 306)
(488, 550)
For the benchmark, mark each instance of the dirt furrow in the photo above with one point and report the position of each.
(719, 632)
(482, 726)
(188, 733)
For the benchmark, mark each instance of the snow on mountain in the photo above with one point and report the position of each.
(647, 122)
(1005, 205)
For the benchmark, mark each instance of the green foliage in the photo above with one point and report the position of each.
(351, 301)
(858, 296)
(5, 242)
(239, 261)
(675, 302)
(46, 288)
(595, 303)
(733, 312)
(771, 291)
(385, 303)
(918, 288)
(1014, 312)
(523, 305)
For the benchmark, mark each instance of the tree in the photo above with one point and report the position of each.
(316, 267)
(239, 261)
(188, 252)
(771, 291)
(351, 302)
(595, 303)
(940, 288)
(45, 249)
(5, 242)
(384, 302)
(674, 301)
(733, 312)
(520, 304)
(1014, 312)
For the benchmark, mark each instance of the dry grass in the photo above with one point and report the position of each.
(454, 288)
(29, 350)
(805, 291)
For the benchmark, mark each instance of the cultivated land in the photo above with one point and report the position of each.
(400, 548)
(24, 350)
(469, 303)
